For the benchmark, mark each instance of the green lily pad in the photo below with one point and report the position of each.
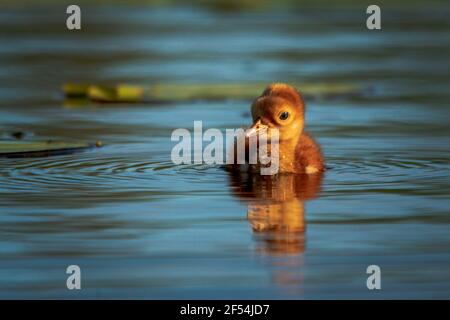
(245, 91)
(24, 149)
(184, 92)
(119, 93)
(76, 90)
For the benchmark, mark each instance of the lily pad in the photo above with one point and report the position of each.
(120, 93)
(184, 92)
(76, 90)
(24, 149)
(237, 91)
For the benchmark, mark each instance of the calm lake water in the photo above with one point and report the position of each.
(141, 227)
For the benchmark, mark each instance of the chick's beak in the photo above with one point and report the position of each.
(255, 128)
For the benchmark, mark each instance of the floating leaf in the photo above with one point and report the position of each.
(76, 89)
(24, 149)
(237, 91)
(186, 92)
(120, 93)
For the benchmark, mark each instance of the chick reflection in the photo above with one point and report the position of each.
(276, 208)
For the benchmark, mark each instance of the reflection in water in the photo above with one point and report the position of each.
(276, 209)
(276, 213)
(280, 225)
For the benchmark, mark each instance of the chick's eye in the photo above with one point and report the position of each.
(284, 115)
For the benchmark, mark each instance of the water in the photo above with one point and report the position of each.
(141, 227)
